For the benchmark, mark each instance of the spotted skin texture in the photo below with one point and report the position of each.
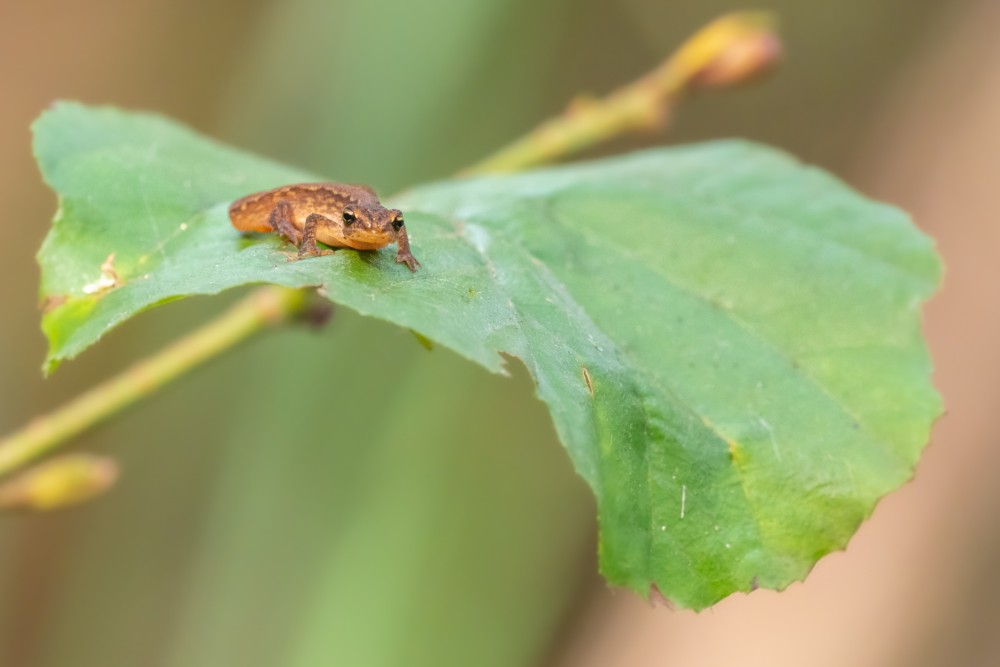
(338, 215)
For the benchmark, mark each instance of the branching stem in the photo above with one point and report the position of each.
(732, 49)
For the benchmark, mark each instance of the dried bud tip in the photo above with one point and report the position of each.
(734, 49)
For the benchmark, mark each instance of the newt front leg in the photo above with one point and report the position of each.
(403, 254)
(307, 246)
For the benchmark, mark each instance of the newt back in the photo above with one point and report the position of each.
(251, 213)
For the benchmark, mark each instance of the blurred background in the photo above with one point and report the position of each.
(455, 532)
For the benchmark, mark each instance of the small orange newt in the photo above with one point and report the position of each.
(341, 216)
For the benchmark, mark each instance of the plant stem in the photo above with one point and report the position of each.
(586, 123)
(264, 307)
(733, 49)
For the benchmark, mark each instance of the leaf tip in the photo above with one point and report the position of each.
(424, 341)
(657, 598)
(50, 365)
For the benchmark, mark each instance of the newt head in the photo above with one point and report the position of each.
(373, 225)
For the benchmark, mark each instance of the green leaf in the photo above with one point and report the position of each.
(728, 342)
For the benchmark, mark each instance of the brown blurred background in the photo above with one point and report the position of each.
(456, 533)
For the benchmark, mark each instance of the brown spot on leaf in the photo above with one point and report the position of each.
(52, 302)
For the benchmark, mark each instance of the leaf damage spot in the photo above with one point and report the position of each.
(108, 280)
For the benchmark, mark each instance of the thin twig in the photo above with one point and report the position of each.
(732, 49)
(264, 307)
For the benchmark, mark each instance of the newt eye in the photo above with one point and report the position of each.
(397, 223)
(349, 217)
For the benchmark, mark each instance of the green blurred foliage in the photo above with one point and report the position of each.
(255, 525)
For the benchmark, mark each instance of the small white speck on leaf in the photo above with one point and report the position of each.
(770, 431)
